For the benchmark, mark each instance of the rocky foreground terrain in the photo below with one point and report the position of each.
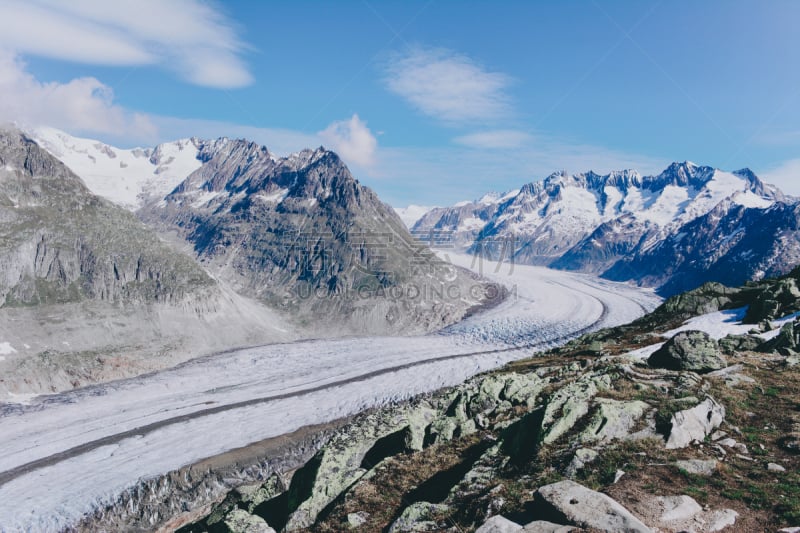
(659, 425)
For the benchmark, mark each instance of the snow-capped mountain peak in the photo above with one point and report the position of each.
(565, 214)
(127, 177)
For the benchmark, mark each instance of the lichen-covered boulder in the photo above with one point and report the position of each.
(786, 343)
(419, 516)
(740, 343)
(570, 503)
(340, 463)
(570, 403)
(499, 524)
(613, 419)
(240, 521)
(689, 350)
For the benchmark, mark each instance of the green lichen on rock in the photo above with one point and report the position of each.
(689, 350)
(570, 403)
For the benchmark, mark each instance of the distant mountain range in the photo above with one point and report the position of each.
(673, 231)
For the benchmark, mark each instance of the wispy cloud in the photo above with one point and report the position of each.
(448, 86)
(352, 139)
(495, 139)
(82, 105)
(189, 37)
(786, 176)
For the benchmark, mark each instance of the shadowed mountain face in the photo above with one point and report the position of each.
(302, 234)
(731, 244)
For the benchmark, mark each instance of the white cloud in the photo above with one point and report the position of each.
(448, 86)
(352, 140)
(190, 37)
(497, 139)
(82, 105)
(786, 177)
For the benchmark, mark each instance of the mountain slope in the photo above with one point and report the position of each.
(731, 244)
(302, 234)
(82, 280)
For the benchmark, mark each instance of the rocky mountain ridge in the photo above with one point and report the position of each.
(301, 233)
(610, 224)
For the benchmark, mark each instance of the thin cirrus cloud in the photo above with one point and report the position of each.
(495, 139)
(172, 35)
(786, 176)
(448, 86)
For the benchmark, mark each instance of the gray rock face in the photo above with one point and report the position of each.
(698, 467)
(689, 350)
(786, 343)
(695, 424)
(240, 521)
(499, 524)
(543, 526)
(576, 505)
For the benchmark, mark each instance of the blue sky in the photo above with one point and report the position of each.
(428, 102)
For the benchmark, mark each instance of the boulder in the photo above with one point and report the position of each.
(251, 496)
(582, 457)
(786, 343)
(698, 467)
(499, 524)
(543, 526)
(340, 463)
(740, 343)
(695, 423)
(678, 508)
(613, 419)
(775, 467)
(240, 521)
(573, 504)
(418, 517)
(356, 520)
(689, 350)
(719, 520)
(570, 403)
